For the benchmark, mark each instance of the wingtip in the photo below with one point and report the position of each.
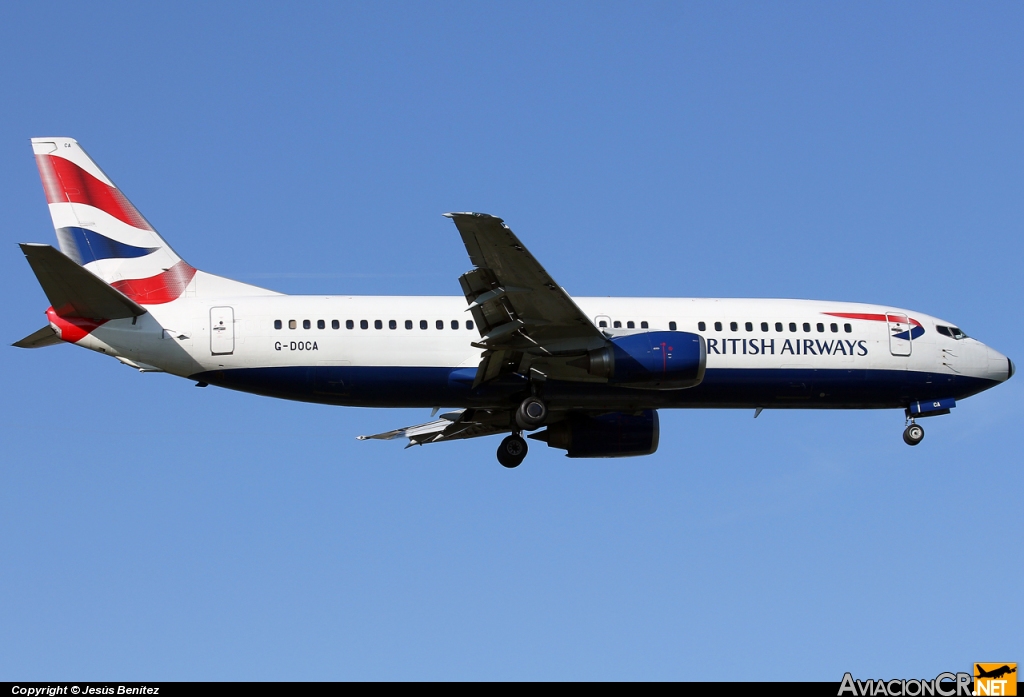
(470, 214)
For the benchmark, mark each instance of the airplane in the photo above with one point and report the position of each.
(515, 354)
(995, 673)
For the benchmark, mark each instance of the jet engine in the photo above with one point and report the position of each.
(649, 360)
(608, 435)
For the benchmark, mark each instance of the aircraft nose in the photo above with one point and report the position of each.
(1000, 367)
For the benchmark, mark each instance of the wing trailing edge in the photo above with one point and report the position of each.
(453, 425)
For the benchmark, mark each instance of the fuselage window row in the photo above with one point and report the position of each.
(779, 327)
(735, 326)
(377, 324)
(833, 327)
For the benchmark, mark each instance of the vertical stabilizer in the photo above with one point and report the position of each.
(100, 229)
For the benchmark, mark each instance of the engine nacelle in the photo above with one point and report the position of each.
(608, 435)
(650, 360)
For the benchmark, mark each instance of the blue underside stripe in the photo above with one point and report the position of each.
(85, 246)
(723, 388)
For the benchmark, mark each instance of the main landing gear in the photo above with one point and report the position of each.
(512, 451)
(913, 434)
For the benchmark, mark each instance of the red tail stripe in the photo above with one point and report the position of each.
(159, 289)
(66, 182)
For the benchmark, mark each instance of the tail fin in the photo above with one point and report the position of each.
(101, 230)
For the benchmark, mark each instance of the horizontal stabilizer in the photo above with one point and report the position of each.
(44, 337)
(74, 291)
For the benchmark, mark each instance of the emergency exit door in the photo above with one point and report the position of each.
(899, 334)
(222, 330)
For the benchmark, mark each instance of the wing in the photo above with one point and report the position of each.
(455, 425)
(527, 322)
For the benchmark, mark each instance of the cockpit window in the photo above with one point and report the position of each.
(957, 333)
(951, 332)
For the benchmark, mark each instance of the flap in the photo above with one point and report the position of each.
(454, 425)
(509, 277)
(522, 314)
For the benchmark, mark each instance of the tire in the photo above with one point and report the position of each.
(531, 414)
(512, 451)
(913, 434)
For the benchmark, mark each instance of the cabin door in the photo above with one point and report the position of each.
(899, 334)
(222, 331)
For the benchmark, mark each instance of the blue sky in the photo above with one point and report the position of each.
(868, 152)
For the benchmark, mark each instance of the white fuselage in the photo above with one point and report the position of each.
(756, 336)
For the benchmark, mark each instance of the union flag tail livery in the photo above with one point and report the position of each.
(100, 229)
(585, 375)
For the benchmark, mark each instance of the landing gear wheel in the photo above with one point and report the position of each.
(512, 451)
(913, 435)
(531, 414)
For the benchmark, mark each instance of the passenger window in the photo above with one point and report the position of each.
(423, 324)
(349, 324)
(335, 324)
(602, 324)
(392, 324)
(643, 325)
(749, 326)
(821, 327)
(778, 326)
(630, 325)
(292, 324)
(408, 324)
(847, 328)
(277, 324)
(733, 326)
(617, 324)
(764, 326)
(439, 324)
(320, 324)
(305, 324)
(469, 324)
(792, 326)
(834, 327)
(807, 326)
(377, 324)
(700, 326)
(718, 326)
(455, 324)
(363, 324)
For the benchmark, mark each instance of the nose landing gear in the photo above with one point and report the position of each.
(913, 434)
(512, 451)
